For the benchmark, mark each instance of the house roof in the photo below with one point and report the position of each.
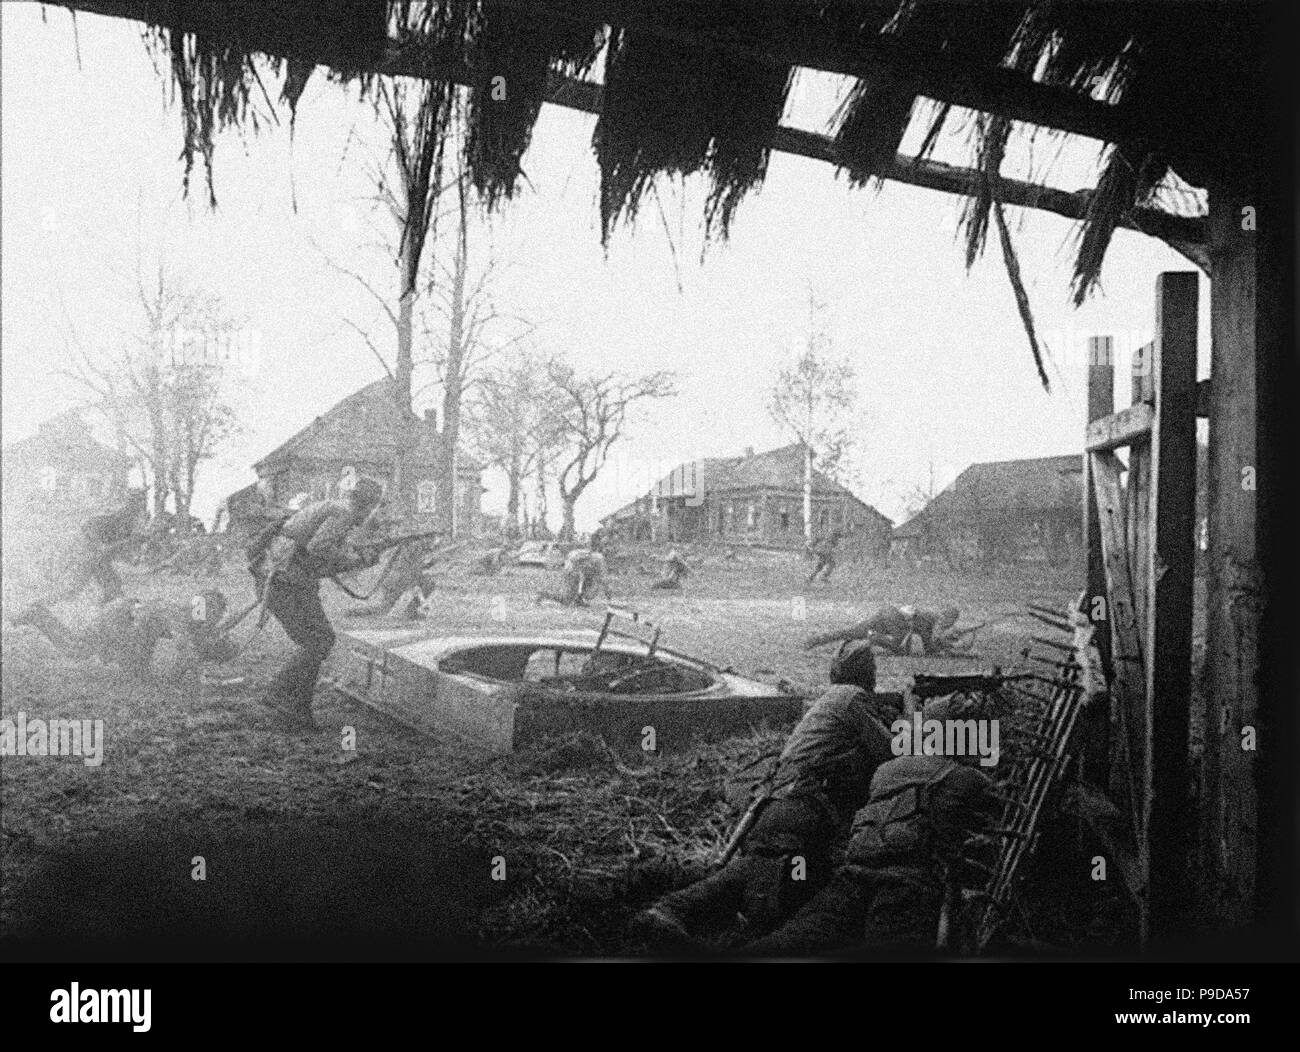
(774, 469)
(65, 440)
(1038, 484)
(363, 428)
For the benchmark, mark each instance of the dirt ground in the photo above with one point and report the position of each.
(398, 841)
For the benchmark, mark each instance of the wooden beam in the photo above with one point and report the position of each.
(939, 75)
(1183, 232)
(1120, 429)
(1230, 817)
(1129, 771)
(1170, 559)
(1099, 729)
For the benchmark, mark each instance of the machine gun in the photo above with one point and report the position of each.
(928, 685)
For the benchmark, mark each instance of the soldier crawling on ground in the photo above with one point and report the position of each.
(902, 630)
(675, 572)
(125, 632)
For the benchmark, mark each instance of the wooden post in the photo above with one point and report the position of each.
(1228, 812)
(1169, 556)
(1098, 730)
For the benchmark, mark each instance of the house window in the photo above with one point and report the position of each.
(426, 495)
(751, 519)
(823, 518)
(785, 518)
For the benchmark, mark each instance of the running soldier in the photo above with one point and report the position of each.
(103, 539)
(313, 544)
(821, 778)
(824, 551)
(908, 845)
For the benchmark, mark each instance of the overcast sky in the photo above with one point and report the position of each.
(90, 172)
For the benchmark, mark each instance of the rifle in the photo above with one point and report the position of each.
(377, 548)
(927, 685)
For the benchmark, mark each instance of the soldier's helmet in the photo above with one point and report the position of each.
(366, 493)
(854, 664)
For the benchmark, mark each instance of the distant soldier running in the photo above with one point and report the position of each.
(313, 544)
(103, 538)
(824, 551)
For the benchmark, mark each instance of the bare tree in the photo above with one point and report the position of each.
(811, 399)
(165, 391)
(594, 412)
(447, 319)
(514, 420)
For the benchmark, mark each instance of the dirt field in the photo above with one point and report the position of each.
(396, 842)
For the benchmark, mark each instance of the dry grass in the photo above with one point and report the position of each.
(397, 837)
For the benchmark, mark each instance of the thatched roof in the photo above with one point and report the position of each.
(65, 442)
(778, 471)
(684, 88)
(1001, 487)
(363, 428)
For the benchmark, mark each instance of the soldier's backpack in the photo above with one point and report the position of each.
(901, 825)
(262, 539)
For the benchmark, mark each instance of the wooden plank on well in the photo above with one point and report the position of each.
(1169, 556)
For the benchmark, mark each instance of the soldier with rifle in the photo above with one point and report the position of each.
(312, 544)
(782, 846)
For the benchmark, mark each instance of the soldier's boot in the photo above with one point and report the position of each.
(290, 692)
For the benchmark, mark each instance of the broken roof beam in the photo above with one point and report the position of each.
(937, 75)
(946, 78)
(1186, 233)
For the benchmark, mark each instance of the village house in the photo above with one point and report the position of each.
(1002, 511)
(63, 473)
(756, 498)
(358, 436)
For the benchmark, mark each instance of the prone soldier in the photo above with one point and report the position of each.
(125, 632)
(675, 572)
(908, 845)
(898, 630)
(820, 780)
